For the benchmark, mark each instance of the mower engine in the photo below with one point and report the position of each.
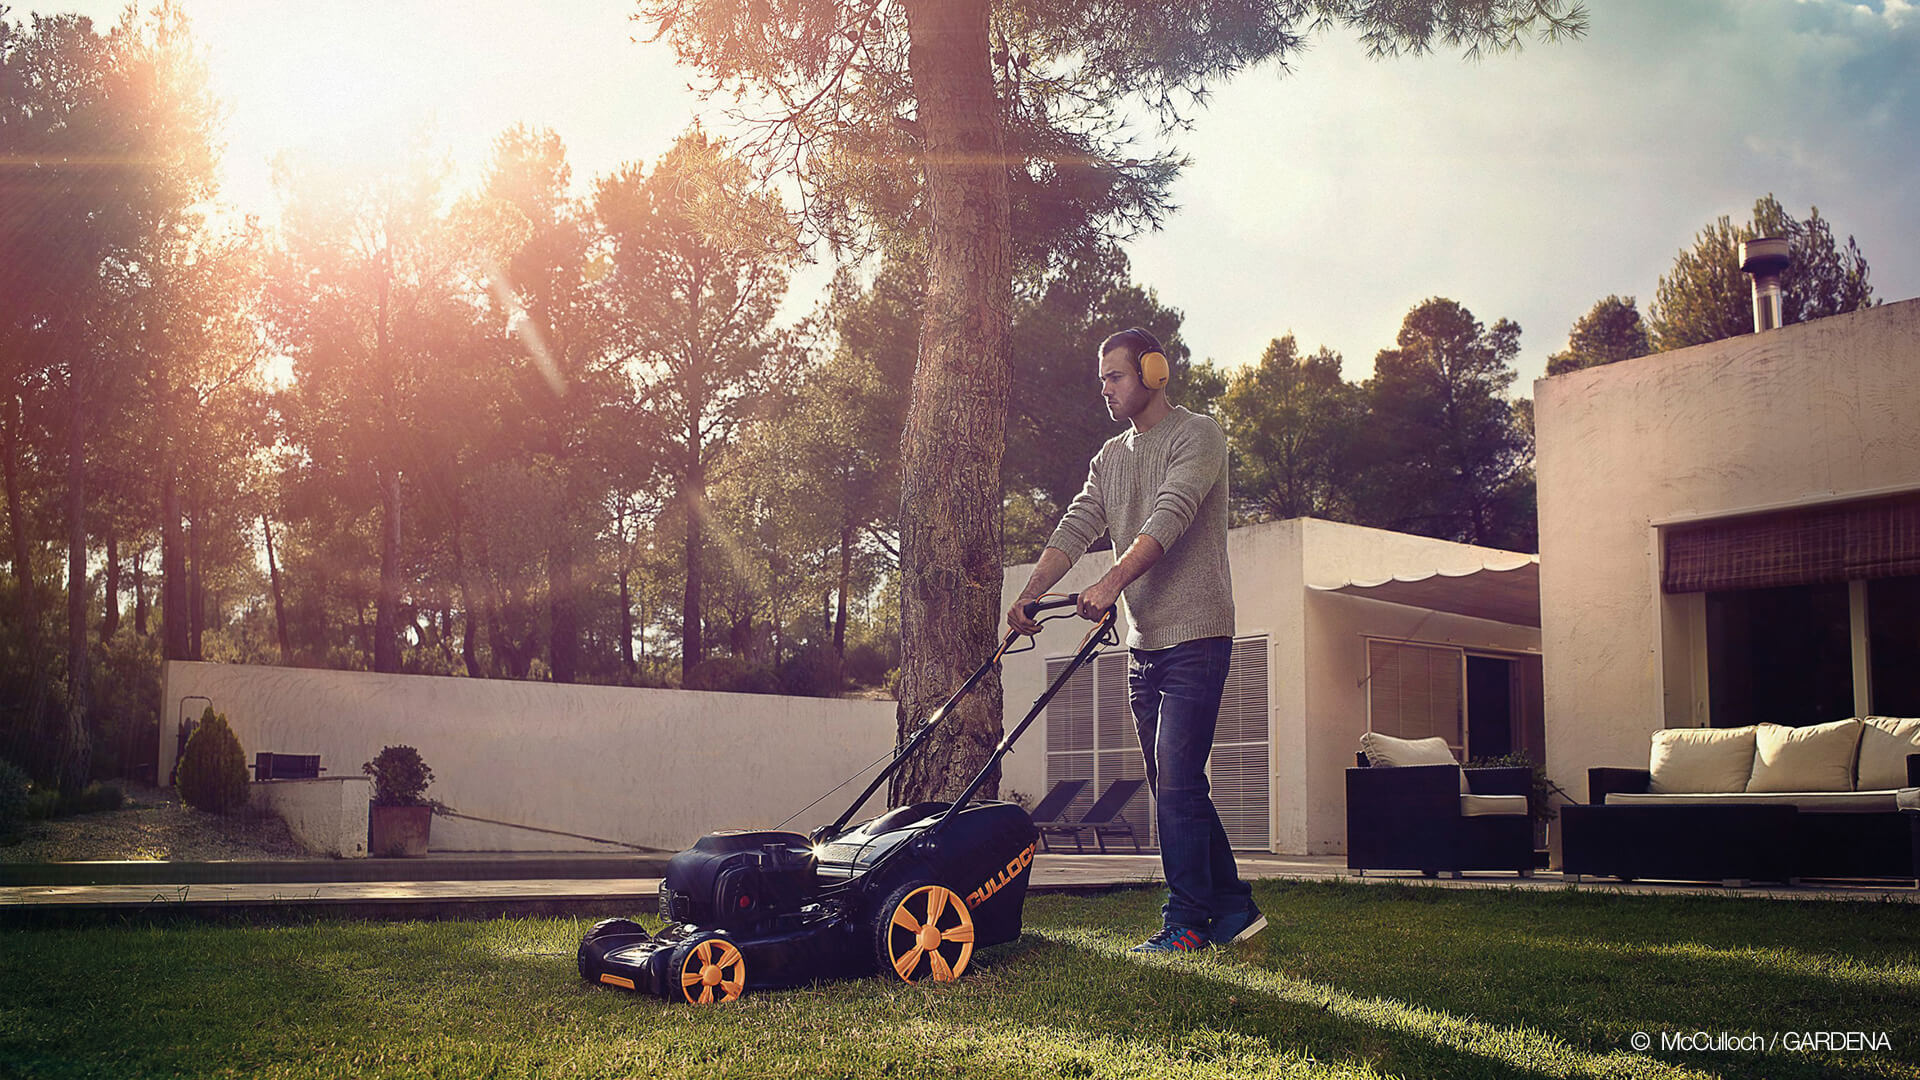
(740, 882)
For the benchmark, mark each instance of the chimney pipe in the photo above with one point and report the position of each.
(1766, 259)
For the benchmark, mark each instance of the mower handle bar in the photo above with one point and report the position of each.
(1035, 607)
(1101, 635)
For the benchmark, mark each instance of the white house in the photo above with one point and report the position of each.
(1730, 533)
(1340, 628)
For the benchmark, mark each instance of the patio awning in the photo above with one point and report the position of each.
(1508, 594)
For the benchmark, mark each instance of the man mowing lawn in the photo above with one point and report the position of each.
(1161, 485)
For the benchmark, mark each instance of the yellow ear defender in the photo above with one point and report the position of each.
(1153, 369)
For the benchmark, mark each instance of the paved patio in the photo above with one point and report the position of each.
(470, 885)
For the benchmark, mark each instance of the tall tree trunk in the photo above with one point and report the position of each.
(740, 636)
(564, 646)
(956, 421)
(386, 611)
(76, 752)
(626, 623)
(469, 656)
(140, 591)
(40, 678)
(196, 598)
(173, 569)
(499, 649)
(443, 627)
(386, 630)
(279, 599)
(18, 528)
(469, 617)
(626, 593)
(496, 641)
(696, 495)
(110, 615)
(22, 553)
(366, 639)
(840, 602)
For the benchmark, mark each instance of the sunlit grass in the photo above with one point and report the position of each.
(1349, 981)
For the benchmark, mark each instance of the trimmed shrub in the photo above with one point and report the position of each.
(98, 798)
(868, 663)
(213, 770)
(811, 672)
(400, 778)
(125, 709)
(733, 676)
(43, 804)
(14, 793)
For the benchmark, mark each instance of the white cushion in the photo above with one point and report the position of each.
(1700, 759)
(1885, 742)
(1808, 802)
(1387, 751)
(1818, 757)
(1492, 805)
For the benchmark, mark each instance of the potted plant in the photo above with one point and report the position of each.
(1540, 809)
(401, 814)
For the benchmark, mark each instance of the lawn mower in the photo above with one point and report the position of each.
(913, 891)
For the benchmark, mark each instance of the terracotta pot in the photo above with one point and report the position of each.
(398, 830)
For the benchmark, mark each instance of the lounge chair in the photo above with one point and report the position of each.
(1102, 820)
(1053, 807)
(1412, 815)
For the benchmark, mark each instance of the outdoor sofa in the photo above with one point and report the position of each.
(1761, 802)
(1410, 806)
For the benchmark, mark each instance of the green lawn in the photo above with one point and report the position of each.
(1349, 980)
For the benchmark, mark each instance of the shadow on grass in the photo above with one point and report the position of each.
(1072, 1002)
(1495, 969)
(1348, 981)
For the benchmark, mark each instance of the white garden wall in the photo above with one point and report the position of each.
(657, 768)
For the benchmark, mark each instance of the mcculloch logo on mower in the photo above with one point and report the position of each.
(1014, 867)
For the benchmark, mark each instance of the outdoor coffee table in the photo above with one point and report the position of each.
(1731, 844)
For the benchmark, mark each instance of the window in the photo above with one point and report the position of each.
(1893, 645)
(1415, 692)
(1811, 614)
(1779, 656)
(1493, 692)
(1790, 655)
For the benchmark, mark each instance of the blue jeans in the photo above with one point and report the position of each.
(1175, 694)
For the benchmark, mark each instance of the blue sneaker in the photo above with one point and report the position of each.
(1174, 939)
(1233, 929)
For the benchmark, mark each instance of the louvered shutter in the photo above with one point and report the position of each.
(1240, 770)
(1070, 723)
(1091, 736)
(1416, 691)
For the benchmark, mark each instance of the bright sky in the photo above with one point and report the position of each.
(1326, 203)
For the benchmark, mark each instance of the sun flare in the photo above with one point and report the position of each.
(332, 89)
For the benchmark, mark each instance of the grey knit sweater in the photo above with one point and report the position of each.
(1170, 483)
